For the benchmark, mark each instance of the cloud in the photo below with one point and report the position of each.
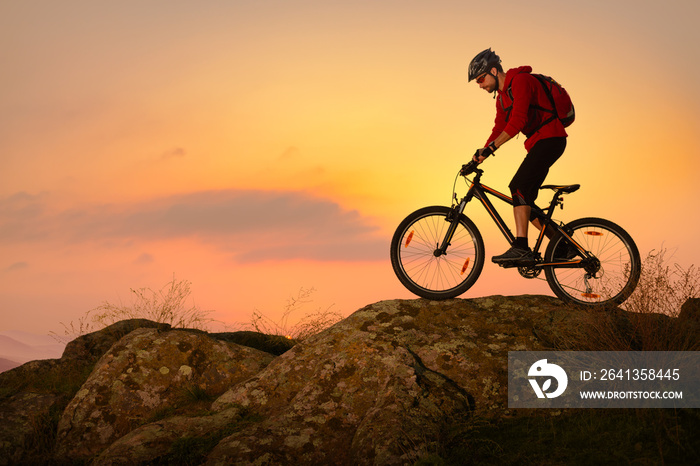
(289, 153)
(23, 204)
(21, 216)
(17, 266)
(144, 258)
(175, 153)
(250, 225)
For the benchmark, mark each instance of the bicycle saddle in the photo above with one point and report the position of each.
(565, 188)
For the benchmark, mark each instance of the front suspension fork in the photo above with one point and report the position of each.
(453, 218)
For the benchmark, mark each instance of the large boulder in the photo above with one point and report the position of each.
(384, 386)
(690, 311)
(22, 417)
(33, 394)
(181, 439)
(144, 374)
(375, 388)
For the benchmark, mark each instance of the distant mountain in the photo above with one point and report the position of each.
(21, 347)
(31, 339)
(6, 365)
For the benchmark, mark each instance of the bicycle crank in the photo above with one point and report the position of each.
(529, 272)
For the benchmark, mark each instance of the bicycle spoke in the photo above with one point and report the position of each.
(618, 258)
(414, 259)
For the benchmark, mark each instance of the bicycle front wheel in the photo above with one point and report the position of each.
(619, 267)
(429, 275)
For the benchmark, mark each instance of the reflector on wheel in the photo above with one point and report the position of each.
(465, 266)
(409, 238)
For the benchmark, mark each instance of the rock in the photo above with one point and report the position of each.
(31, 394)
(21, 422)
(690, 311)
(380, 387)
(273, 344)
(374, 388)
(688, 324)
(92, 346)
(159, 440)
(143, 373)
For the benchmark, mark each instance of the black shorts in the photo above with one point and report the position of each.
(527, 181)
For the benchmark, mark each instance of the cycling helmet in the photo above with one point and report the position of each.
(483, 63)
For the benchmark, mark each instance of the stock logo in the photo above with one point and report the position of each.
(542, 369)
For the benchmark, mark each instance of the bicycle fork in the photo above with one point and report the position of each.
(453, 218)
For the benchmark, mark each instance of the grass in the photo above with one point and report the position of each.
(573, 437)
(167, 305)
(541, 437)
(312, 323)
(663, 287)
(40, 442)
(647, 320)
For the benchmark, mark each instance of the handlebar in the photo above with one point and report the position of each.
(469, 168)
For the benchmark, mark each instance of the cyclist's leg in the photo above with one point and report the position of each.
(549, 232)
(522, 217)
(530, 176)
(524, 188)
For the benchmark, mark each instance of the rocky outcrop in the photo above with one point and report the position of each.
(32, 394)
(140, 375)
(690, 311)
(376, 388)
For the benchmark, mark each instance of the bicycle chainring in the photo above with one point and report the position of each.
(529, 272)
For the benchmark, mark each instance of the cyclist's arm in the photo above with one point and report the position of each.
(502, 139)
(499, 136)
(498, 142)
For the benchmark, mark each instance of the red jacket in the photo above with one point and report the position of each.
(526, 91)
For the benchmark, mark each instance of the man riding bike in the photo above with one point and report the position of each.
(522, 106)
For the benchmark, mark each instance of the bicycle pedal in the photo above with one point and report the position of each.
(513, 264)
(509, 265)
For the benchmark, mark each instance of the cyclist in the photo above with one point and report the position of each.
(520, 107)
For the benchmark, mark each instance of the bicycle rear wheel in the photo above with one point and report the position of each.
(420, 270)
(613, 247)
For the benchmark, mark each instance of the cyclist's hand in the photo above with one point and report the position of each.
(481, 154)
(478, 156)
(468, 168)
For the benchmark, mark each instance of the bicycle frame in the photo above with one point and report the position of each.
(481, 192)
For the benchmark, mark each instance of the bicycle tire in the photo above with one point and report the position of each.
(415, 264)
(620, 264)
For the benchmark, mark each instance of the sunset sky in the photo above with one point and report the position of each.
(254, 148)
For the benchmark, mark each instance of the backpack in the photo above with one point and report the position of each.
(562, 106)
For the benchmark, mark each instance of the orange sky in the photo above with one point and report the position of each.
(255, 148)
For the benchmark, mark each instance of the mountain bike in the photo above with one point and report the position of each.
(437, 252)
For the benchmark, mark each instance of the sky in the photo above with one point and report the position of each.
(256, 148)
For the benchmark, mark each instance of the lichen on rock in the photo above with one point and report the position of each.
(378, 387)
(143, 372)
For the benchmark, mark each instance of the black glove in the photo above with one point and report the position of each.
(468, 168)
(488, 150)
